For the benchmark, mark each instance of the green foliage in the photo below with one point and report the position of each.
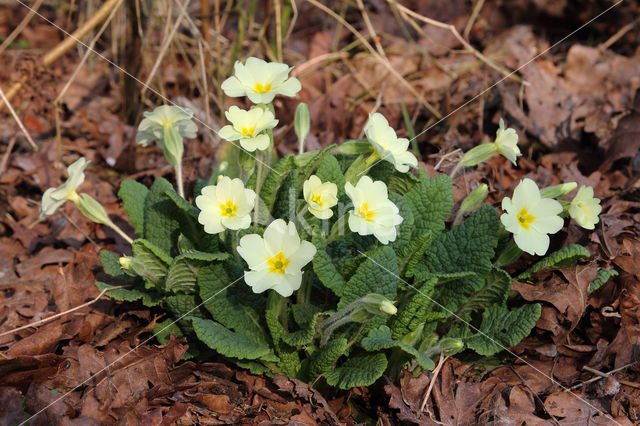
(358, 370)
(603, 276)
(502, 328)
(566, 256)
(134, 195)
(342, 324)
(381, 339)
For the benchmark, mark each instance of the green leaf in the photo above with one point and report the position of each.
(414, 313)
(567, 255)
(164, 329)
(502, 328)
(468, 247)
(329, 171)
(182, 204)
(133, 196)
(236, 307)
(413, 253)
(182, 275)
(359, 370)
(377, 274)
(111, 264)
(405, 230)
(380, 338)
(308, 169)
(227, 342)
(603, 276)
(401, 183)
(495, 290)
(275, 178)
(305, 335)
(161, 223)
(430, 202)
(155, 260)
(325, 357)
(288, 354)
(324, 268)
(129, 295)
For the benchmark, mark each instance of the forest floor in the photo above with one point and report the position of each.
(564, 74)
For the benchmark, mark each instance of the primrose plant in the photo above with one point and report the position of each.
(333, 266)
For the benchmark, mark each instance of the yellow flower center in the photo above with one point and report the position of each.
(581, 204)
(525, 219)
(248, 131)
(278, 263)
(229, 209)
(259, 88)
(316, 199)
(365, 213)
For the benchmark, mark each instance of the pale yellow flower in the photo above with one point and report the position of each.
(529, 217)
(584, 208)
(247, 127)
(320, 197)
(54, 198)
(387, 144)
(506, 143)
(260, 81)
(373, 212)
(276, 259)
(226, 205)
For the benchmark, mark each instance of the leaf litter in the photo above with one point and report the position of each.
(577, 116)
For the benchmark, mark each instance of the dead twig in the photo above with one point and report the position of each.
(405, 12)
(599, 376)
(62, 47)
(21, 26)
(377, 56)
(68, 311)
(17, 119)
(5, 157)
(432, 382)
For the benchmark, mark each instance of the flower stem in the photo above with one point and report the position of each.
(119, 231)
(259, 173)
(179, 179)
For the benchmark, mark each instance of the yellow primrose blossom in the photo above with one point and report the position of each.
(247, 127)
(373, 212)
(54, 198)
(529, 217)
(584, 208)
(261, 81)
(387, 144)
(226, 205)
(276, 259)
(320, 197)
(506, 143)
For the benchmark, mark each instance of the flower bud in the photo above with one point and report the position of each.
(301, 123)
(558, 191)
(132, 266)
(478, 155)
(474, 199)
(173, 146)
(92, 209)
(378, 304)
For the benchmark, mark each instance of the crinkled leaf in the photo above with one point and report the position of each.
(405, 230)
(154, 258)
(468, 247)
(413, 253)
(329, 171)
(377, 274)
(111, 264)
(164, 329)
(129, 295)
(227, 342)
(133, 195)
(275, 177)
(401, 183)
(380, 338)
(161, 223)
(324, 358)
(603, 276)
(567, 255)
(502, 328)
(430, 202)
(414, 313)
(358, 370)
(494, 291)
(324, 267)
(236, 306)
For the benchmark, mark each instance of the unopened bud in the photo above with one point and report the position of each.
(302, 122)
(558, 191)
(474, 199)
(478, 155)
(92, 209)
(378, 304)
